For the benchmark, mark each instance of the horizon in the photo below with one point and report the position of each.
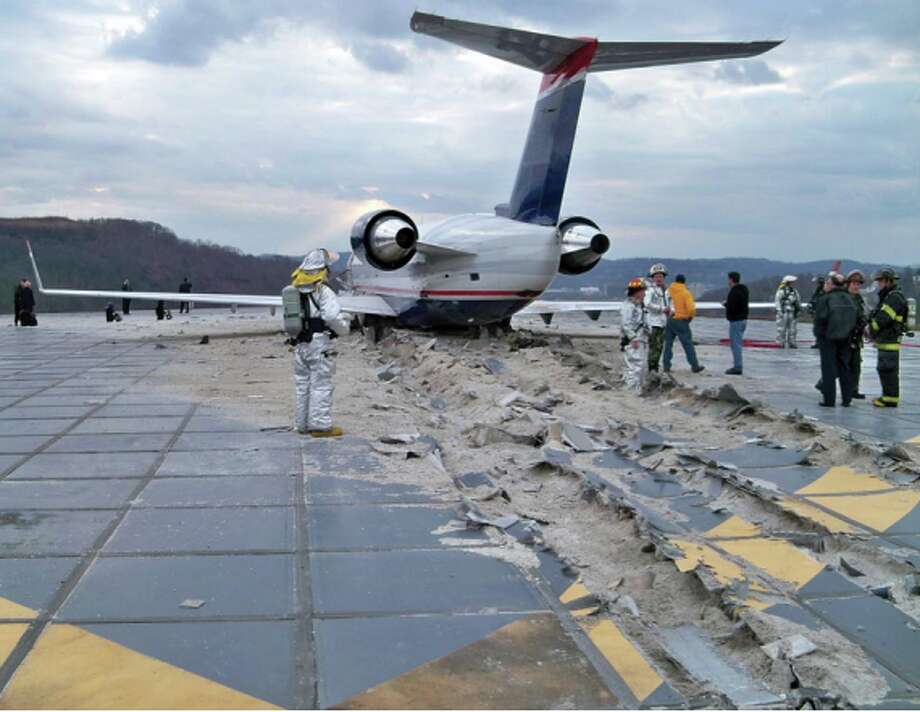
(279, 123)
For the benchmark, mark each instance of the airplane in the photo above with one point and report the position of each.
(481, 269)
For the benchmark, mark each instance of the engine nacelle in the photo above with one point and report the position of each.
(385, 238)
(583, 243)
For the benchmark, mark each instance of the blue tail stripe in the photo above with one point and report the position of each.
(540, 182)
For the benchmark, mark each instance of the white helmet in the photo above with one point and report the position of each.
(657, 268)
(790, 278)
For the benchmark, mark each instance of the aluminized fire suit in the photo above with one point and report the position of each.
(657, 307)
(788, 305)
(314, 360)
(635, 351)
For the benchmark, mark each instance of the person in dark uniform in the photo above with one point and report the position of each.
(125, 302)
(161, 310)
(815, 296)
(855, 281)
(27, 305)
(835, 319)
(887, 324)
(184, 288)
(17, 302)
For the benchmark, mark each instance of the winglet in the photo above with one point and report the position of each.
(38, 277)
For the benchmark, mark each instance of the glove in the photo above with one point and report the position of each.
(624, 342)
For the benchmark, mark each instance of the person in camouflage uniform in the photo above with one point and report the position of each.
(657, 309)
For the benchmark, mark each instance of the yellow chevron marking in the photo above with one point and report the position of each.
(70, 668)
(11, 609)
(725, 571)
(639, 676)
(779, 559)
(877, 511)
(841, 480)
(733, 527)
(574, 592)
(10, 633)
(809, 511)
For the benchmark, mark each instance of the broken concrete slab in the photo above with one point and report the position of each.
(699, 658)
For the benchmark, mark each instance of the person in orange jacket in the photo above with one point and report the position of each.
(683, 309)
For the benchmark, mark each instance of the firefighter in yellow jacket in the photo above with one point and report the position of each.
(887, 325)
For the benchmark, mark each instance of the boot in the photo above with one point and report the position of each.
(334, 432)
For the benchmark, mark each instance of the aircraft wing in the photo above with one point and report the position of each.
(353, 304)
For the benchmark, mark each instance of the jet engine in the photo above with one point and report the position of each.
(385, 238)
(583, 243)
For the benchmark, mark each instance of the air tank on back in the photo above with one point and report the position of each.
(385, 239)
(582, 244)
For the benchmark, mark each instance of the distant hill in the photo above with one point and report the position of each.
(99, 254)
(707, 278)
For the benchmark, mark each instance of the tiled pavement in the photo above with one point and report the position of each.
(154, 553)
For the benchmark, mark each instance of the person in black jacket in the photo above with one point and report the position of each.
(27, 305)
(736, 311)
(184, 288)
(126, 302)
(17, 302)
(835, 319)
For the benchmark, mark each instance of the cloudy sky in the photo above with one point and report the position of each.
(270, 125)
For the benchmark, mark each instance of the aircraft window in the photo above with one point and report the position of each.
(474, 276)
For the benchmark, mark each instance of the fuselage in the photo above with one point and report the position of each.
(507, 265)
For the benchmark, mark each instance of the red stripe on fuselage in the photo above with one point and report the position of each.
(425, 293)
(577, 62)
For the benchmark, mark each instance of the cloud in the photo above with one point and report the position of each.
(379, 55)
(752, 71)
(598, 90)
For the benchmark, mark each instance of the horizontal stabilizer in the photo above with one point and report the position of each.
(545, 53)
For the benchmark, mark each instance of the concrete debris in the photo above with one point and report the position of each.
(727, 394)
(427, 346)
(408, 445)
(646, 442)
(898, 452)
(388, 373)
(193, 603)
(482, 434)
(494, 366)
(688, 646)
(850, 569)
(883, 591)
(512, 397)
(205, 339)
(578, 439)
(553, 457)
(808, 540)
(627, 603)
(472, 514)
(912, 584)
(795, 646)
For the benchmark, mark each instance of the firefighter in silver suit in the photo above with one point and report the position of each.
(314, 358)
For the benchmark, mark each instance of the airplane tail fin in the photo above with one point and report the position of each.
(564, 63)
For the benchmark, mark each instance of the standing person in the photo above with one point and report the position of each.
(657, 310)
(634, 341)
(683, 310)
(125, 302)
(27, 305)
(17, 302)
(818, 292)
(788, 306)
(736, 311)
(318, 318)
(161, 310)
(184, 288)
(855, 281)
(887, 324)
(835, 319)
